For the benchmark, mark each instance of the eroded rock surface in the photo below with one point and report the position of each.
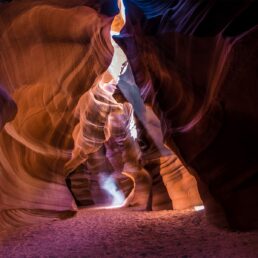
(199, 59)
(51, 53)
(195, 65)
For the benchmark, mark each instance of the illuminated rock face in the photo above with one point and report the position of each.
(50, 88)
(51, 53)
(195, 67)
(200, 57)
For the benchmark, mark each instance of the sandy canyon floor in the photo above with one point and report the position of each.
(128, 233)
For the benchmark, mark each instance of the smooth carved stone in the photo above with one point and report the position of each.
(51, 53)
(104, 143)
(154, 154)
(197, 62)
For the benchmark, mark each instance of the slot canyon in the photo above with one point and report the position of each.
(129, 128)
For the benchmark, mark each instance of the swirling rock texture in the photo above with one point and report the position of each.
(165, 168)
(51, 53)
(170, 178)
(200, 59)
(190, 60)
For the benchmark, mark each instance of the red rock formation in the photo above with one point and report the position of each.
(51, 52)
(200, 60)
(47, 69)
(190, 60)
(161, 163)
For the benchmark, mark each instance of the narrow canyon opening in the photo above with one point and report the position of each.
(128, 128)
(130, 164)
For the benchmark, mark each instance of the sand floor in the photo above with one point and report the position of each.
(129, 233)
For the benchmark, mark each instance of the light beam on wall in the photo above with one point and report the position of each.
(199, 208)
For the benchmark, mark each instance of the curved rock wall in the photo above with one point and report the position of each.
(51, 53)
(194, 63)
(200, 60)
